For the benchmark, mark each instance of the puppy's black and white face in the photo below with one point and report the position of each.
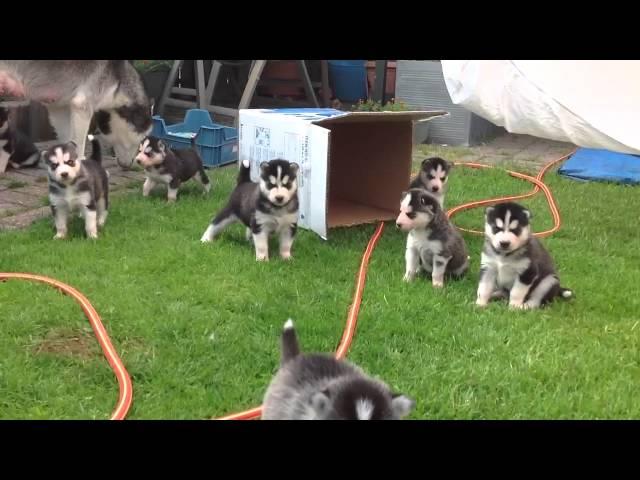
(4, 120)
(62, 162)
(151, 152)
(360, 399)
(417, 210)
(279, 181)
(507, 226)
(434, 173)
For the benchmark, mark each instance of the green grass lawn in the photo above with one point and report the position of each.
(198, 325)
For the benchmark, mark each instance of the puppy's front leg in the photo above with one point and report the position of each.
(412, 263)
(60, 215)
(147, 187)
(521, 287)
(439, 267)
(287, 234)
(172, 190)
(488, 276)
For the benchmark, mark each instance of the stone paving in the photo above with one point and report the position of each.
(24, 198)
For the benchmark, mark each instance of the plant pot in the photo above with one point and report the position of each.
(390, 90)
(281, 70)
(154, 83)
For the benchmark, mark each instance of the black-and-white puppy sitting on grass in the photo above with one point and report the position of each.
(433, 243)
(433, 177)
(77, 185)
(267, 207)
(514, 263)
(170, 167)
(320, 387)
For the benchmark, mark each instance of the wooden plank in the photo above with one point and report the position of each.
(306, 83)
(171, 80)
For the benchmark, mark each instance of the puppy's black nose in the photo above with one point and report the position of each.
(64, 174)
(505, 244)
(279, 198)
(435, 189)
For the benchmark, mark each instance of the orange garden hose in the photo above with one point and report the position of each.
(539, 185)
(124, 381)
(352, 319)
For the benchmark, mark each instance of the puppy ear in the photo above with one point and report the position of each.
(161, 146)
(401, 405)
(295, 168)
(488, 210)
(425, 163)
(527, 213)
(263, 167)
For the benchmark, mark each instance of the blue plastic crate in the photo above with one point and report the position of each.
(217, 144)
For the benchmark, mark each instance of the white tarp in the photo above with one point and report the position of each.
(594, 104)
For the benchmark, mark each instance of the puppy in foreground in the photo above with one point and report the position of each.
(320, 387)
(433, 243)
(433, 177)
(267, 207)
(76, 184)
(170, 167)
(514, 263)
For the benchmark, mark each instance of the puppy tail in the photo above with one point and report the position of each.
(96, 153)
(566, 293)
(245, 172)
(290, 347)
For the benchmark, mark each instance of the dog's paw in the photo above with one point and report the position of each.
(262, 258)
(60, 236)
(437, 283)
(408, 277)
(481, 303)
(286, 256)
(518, 306)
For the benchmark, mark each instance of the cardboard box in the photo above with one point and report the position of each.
(353, 165)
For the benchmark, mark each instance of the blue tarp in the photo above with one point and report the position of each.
(602, 165)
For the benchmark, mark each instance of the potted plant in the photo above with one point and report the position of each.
(420, 129)
(154, 75)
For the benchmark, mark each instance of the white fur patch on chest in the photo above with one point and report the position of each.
(153, 174)
(507, 269)
(70, 198)
(275, 222)
(419, 239)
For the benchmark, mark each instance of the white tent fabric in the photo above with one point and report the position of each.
(594, 104)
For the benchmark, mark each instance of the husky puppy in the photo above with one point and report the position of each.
(514, 263)
(170, 167)
(433, 176)
(269, 206)
(320, 387)
(16, 149)
(433, 243)
(76, 184)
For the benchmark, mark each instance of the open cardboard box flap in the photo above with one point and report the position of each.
(353, 165)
